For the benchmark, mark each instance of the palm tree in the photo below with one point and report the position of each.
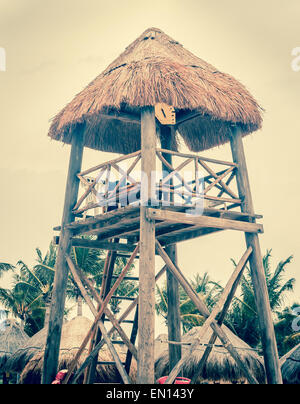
(22, 300)
(4, 267)
(30, 295)
(207, 290)
(242, 318)
(29, 298)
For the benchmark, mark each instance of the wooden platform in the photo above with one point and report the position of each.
(172, 225)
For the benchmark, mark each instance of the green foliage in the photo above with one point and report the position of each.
(286, 337)
(207, 290)
(243, 318)
(30, 296)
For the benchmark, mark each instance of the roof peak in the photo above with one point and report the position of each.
(153, 69)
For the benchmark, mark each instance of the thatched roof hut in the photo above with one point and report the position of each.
(157, 69)
(19, 359)
(12, 337)
(290, 366)
(220, 367)
(29, 360)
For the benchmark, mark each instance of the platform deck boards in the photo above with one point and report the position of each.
(171, 224)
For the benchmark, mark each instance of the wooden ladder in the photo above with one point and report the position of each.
(108, 276)
(97, 336)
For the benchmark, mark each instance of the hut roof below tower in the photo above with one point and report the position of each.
(157, 69)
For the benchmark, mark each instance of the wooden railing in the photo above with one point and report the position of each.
(119, 182)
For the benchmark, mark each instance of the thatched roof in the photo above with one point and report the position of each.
(29, 360)
(220, 367)
(19, 359)
(12, 337)
(157, 69)
(290, 366)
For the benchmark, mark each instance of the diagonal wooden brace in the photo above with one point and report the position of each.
(102, 328)
(102, 342)
(217, 308)
(205, 312)
(99, 314)
(220, 322)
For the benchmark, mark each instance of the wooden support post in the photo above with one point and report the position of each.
(61, 273)
(273, 371)
(174, 323)
(145, 371)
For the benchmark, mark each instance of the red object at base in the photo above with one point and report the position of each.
(60, 376)
(178, 380)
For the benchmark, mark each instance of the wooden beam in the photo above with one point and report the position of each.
(102, 245)
(223, 185)
(209, 160)
(107, 163)
(204, 221)
(51, 353)
(104, 223)
(90, 374)
(102, 342)
(189, 233)
(204, 311)
(101, 326)
(173, 316)
(145, 372)
(215, 311)
(109, 314)
(257, 270)
(103, 217)
(221, 319)
(133, 336)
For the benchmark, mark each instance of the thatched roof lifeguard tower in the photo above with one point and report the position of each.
(156, 91)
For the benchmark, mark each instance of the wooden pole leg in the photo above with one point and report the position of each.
(174, 322)
(146, 319)
(269, 344)
(61, 272)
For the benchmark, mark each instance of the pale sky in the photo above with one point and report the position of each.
(54, 48)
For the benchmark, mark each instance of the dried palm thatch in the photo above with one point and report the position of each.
(290, 366)
(12, 337)
(19, 359)
(220, 367)
(157, 69)
(29, 360)
(32, 372)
